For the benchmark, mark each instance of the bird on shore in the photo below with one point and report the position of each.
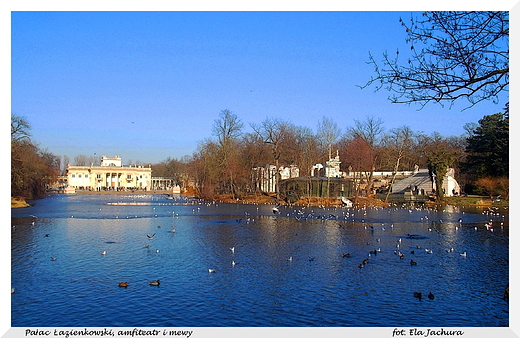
(155, 282)
(123, 284)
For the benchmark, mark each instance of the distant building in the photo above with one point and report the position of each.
(332, 166)
(328, 180)
(110, 174)
(420, 183)
(265, 177)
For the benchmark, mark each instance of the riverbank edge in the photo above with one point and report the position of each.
(18, 202)
(476, 201)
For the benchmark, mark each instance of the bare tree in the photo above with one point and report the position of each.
(328, 133)
(227, 128)
(20, 128)
(81, 160)
(453, 55)
(32, 169)
(369, 131)
(307, 154)
(204, 168)
(359, 159)
(66, 162)
(399, 142)
(273, 132)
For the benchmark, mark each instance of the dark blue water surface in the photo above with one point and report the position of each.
(289, 268)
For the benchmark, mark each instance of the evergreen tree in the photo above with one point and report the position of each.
(488, 147)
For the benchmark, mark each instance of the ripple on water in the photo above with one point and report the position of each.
(319, 287)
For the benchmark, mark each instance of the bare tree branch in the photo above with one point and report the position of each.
(453, 55)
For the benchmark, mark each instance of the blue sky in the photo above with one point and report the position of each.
(149, 85)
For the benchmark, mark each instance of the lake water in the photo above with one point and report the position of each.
(289, 267)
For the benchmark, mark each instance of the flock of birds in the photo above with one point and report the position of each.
(350, 214)
(401, 256)
(346, 215)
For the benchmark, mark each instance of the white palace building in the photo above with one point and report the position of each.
(109, 175)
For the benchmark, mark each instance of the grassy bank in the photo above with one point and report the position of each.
(303, 202)
(475, 201)
(18, 202)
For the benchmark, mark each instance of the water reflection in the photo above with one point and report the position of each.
(290, 269)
